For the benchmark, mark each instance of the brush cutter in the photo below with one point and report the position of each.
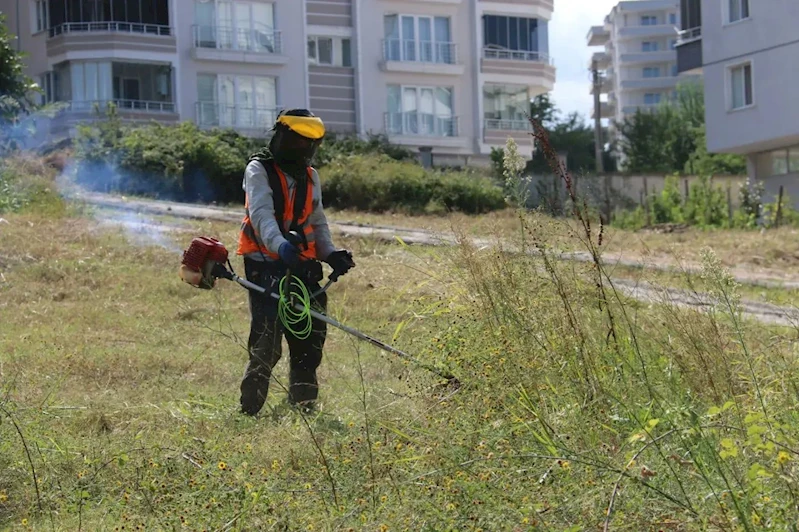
(206, 260)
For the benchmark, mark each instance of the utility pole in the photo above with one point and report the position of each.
(597, 118)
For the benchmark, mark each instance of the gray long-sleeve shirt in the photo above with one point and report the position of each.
(262, 211)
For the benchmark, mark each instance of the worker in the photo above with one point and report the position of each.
(283, 194)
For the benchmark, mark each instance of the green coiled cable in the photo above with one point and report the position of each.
(289, 316)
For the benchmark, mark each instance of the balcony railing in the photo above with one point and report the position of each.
(507, 125)
(517, 55)
(421, 124)
(145, 106)
(216, 114)
(689, 35)
(420, 51)
(120, 27)
(238, 39)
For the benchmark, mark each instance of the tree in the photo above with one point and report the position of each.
(570, 135)
(15, 86)
(671, 139)
(643, 140)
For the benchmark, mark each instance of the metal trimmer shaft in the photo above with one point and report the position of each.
(377, 343)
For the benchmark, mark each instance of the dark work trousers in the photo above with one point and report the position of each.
(267, 332)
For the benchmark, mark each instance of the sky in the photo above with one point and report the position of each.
(568, 28)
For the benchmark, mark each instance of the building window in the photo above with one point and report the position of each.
(236, 26)
(226, 100)
(673, 18)
(515, 38)
(423, 111)
(651, 72)
(785, 161)
(652, 98)
(649, 46)
(331, 51)
(674, 71)
(47, 82)
(649, 20)
(40, 16)
(504, 107)
(739, 10)
(418, 38)
(741, 86)
(673, 44)
(135, 16)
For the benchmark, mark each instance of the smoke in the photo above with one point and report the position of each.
(140, 229)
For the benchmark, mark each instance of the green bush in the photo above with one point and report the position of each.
(378, 183)
(173, 161)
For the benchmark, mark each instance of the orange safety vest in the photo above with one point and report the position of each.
(249, 239)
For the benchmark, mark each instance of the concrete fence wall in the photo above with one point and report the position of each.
(615, 192)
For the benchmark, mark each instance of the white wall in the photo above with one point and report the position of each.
(292, 80)
(374, 80)
(773, 121)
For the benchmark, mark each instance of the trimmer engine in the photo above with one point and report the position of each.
(199, 261)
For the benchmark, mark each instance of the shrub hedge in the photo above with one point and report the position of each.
(378, 183)
(183, 162)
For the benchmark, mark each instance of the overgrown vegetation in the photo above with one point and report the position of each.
(377, 183)
(187, 163)
(577, 408)
(709, 206)
(671, 138)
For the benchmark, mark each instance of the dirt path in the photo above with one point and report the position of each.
(642, 291)
(766, 279)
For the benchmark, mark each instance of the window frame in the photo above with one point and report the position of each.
(729, 85)
(657, 69)
(728, 12)
(436, 114)
(336, 54)
(40, 12)
(648, 17)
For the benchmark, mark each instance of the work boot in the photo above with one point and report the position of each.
(303, 389)
(253, 395)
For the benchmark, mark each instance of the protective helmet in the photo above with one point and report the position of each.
(298, 133)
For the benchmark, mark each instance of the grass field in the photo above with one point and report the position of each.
(576, 408)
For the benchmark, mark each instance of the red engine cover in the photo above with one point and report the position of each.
(203, 249)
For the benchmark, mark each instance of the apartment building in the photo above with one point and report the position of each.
(748, 55)
(451, 76)
(638, 62)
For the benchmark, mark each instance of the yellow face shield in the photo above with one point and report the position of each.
(310, 127)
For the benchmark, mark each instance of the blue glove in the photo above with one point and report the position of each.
(289, 254)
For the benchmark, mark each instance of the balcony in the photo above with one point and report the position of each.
(605, 110)
(598, 36)
(645, 107)
(664, 82)
(657, 30)
(496, 132)
(130, 111)
(605, 86)
(602, 60)
(533, 69)
(415, 128)
(640, 58)
(421, 57)
(103, 37)
(216, 43)
(245, 119)
(533, 8)
(689, 51)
